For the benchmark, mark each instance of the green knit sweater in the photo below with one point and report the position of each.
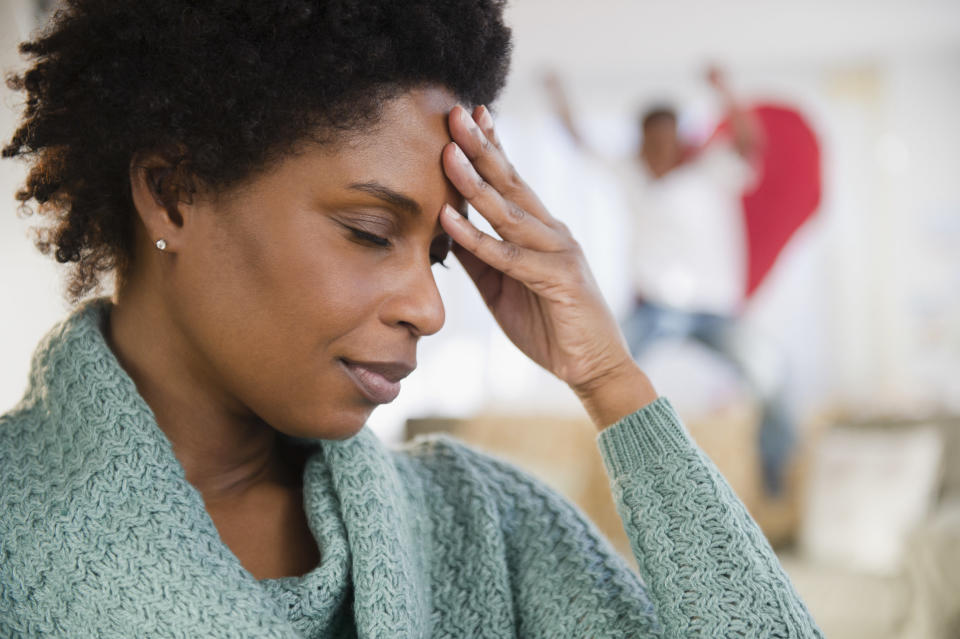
(102, 536)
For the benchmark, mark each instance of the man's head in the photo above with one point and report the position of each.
(660, 148)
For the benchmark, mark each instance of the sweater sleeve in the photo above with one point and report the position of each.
(565, 579)
(708, 568)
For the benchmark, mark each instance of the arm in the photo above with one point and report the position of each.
(707, 566)
(566, 581)
(705, 569)
(561, 106)
(745, 129)
(684, 520)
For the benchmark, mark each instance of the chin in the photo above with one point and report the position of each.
(344, 432)
(334, 425)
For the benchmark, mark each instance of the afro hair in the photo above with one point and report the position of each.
(220, 88)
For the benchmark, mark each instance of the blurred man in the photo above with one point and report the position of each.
(689, 250)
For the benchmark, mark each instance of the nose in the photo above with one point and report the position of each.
(415, 302)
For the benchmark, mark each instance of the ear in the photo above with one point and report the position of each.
(162, 194)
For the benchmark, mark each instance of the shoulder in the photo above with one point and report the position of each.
(471, 478)
(30, 478)
(25, 450)
(449, 457)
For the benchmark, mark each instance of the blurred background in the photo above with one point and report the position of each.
(857, 320)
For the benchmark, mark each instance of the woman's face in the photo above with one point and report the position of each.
(302, 293)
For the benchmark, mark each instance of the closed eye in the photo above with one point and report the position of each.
(364, 236)
(439, 251)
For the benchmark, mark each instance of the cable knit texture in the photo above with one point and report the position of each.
(102, 536)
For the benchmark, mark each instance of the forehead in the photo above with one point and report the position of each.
(411, 132)
(401, 151)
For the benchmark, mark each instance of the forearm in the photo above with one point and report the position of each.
(743, 126)
(746, 131)
(707, 565)
(561, 106)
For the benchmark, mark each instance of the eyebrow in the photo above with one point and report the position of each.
(386, 194)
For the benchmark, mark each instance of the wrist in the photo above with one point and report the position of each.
(610, 397)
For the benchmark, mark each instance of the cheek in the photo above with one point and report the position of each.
(269, 310)
(293, 282)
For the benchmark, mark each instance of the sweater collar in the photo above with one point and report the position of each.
(356, 503)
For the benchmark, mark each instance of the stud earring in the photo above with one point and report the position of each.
(162, 244)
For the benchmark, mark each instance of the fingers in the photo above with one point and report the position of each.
(518, 262)
(535, 246)
(481, 115)
(507, 217)
(480, 144)
(477, 139)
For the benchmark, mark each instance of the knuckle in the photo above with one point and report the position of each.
(511, 252)
(514, 181)
(479, 237)
(486, 147)
(515, 213)
(568, 245)
(578, 261)
(571, 261)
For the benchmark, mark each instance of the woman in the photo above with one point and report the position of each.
(270, 184)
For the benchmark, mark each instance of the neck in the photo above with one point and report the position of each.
(225, 449)
(660, 165)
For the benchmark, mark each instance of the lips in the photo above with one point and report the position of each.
(379, 382)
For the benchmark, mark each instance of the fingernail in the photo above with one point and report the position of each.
(450, 213)
(469, 122)
(466, 119)
(460, 155)
(486, 120)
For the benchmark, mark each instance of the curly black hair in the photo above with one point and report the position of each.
(220, 88)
